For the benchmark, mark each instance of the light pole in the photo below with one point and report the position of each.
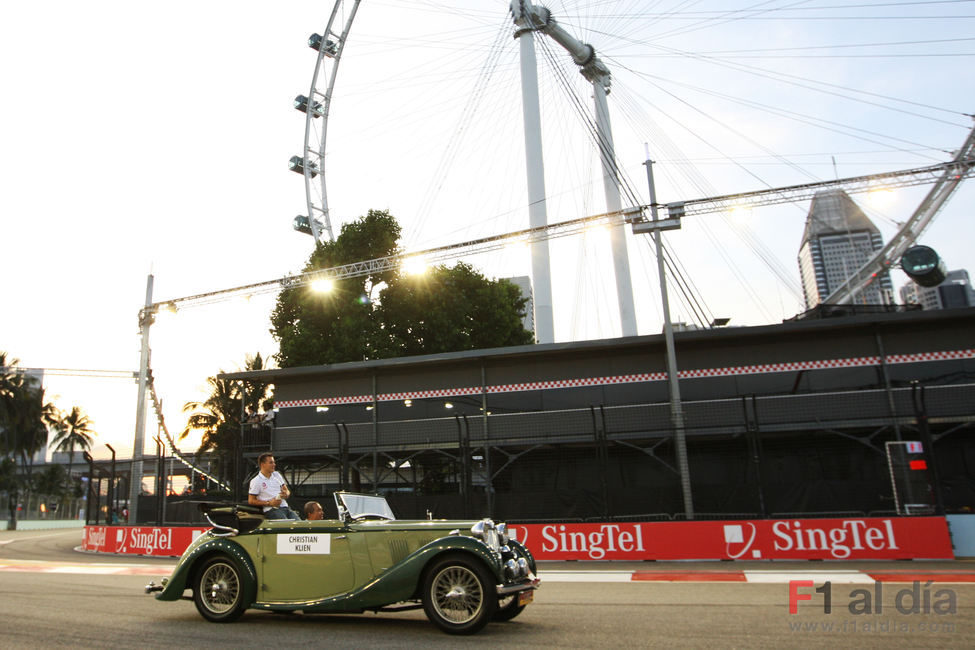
(138, 445)
(91, 481)
(676, 409)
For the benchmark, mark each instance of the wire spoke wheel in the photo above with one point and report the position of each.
(219, 590)
(458, 594)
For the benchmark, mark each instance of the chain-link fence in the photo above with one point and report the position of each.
(31, 506)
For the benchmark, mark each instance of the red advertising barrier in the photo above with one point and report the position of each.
(895, 538)
(763, 539)
(164, 541)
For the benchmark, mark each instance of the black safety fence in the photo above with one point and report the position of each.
(769, 456)
(902, 451)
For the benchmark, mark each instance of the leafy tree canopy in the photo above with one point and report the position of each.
(218, 418)
(392, 314)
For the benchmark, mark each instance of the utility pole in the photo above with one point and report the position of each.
(138, 444)
(656, 225)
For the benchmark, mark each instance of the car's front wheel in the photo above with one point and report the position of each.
(218, 590)
(458, 594)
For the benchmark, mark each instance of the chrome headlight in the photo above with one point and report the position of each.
(511, 570)
(503, 534)
(484, 531)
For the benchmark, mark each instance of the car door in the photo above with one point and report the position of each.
(304, 562)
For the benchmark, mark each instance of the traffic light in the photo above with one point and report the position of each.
(923, 265)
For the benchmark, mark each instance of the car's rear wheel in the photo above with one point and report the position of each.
(508, 608)
(218, 590)
(458, 594)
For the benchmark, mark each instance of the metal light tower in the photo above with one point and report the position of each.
(528, 19)
(138, 445)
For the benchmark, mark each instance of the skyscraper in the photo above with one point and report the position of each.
(839, 238)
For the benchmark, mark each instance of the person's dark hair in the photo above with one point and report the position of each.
(263, 457)
(310, 508)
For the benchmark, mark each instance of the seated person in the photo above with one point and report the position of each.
(314, 511)
(269, 491)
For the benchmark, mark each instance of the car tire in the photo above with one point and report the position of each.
(459, 594)
(218, 590)
(508, 608)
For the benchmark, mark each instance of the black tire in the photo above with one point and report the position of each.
(459, 594)
(508, 608)
(218, 590)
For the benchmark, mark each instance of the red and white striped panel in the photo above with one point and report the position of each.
(791, 366)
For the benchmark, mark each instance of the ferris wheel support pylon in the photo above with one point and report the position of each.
(329, 45)
(530, 18)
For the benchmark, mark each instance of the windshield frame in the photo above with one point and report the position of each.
(353, 506)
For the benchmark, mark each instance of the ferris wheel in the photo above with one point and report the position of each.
(311, 163)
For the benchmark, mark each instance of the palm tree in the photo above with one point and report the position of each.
(74, 430)
(10, 381)
(218, 418)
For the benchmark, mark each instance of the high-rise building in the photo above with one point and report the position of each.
(524, 283)
(839, 238)
(955, 291)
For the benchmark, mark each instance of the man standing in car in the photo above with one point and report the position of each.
(269, 491)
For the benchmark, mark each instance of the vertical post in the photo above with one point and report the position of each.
(489, 483)
(611, 187)
(112, 491)
(537, 217)
(160, 482)
(921, 409)
(375, 435)
(676, 409)
(138, 445)
(887, 388)
(239, 447)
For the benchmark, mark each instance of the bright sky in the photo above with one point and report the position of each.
(142, 137)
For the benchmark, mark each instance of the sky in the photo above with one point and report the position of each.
(144, 138)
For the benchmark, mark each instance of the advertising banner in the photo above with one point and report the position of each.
(879, 538)
(164, 541)
(875, 538)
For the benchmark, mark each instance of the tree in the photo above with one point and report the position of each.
(24, 420)
(391, 314)
(72, 431)
(218, 418)
(449, 309)
(53, 481)
(318, 327)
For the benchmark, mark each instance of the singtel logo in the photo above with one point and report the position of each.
(149, 541)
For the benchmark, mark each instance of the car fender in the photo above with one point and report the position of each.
(182, 575)
(402, 581)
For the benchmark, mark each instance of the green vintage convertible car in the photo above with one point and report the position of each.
(464, 574)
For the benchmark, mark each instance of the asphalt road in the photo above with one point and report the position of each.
(41, 609)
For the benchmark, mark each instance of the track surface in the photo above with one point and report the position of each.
(53, 596)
